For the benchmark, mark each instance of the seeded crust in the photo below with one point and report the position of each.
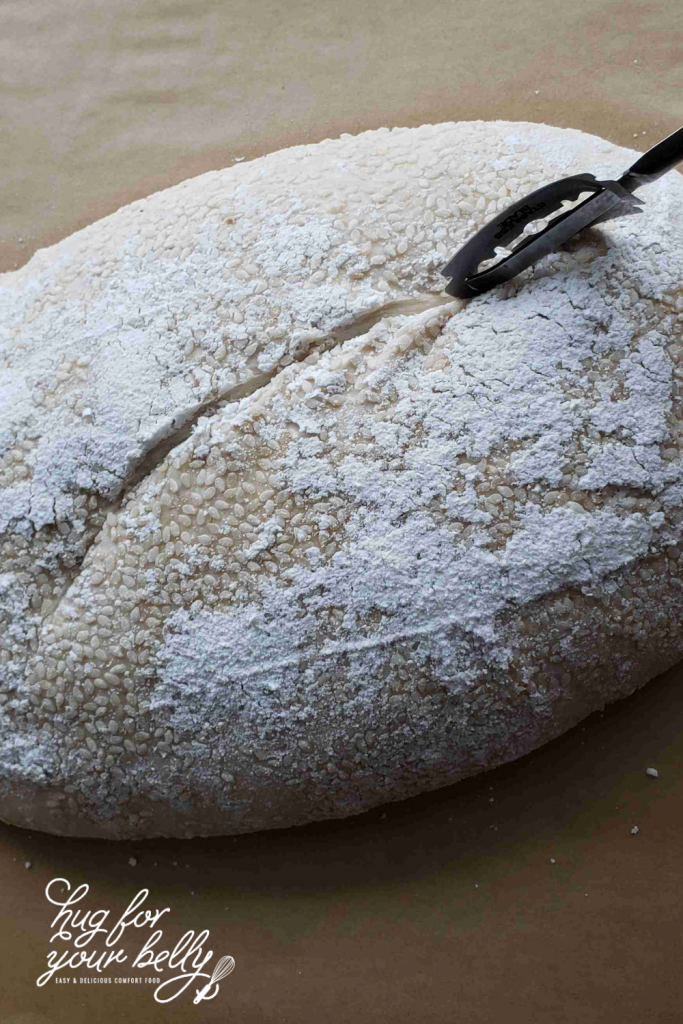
(286, 533)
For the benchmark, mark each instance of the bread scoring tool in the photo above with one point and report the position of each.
(608, 199)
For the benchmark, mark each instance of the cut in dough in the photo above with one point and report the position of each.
(286, 532)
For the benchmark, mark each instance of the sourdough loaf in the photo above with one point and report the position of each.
(285, 532)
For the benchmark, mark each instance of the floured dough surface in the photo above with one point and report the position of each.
(285, 532)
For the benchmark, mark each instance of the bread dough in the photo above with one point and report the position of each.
(285, 532)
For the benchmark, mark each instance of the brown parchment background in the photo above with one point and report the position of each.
(445, 908)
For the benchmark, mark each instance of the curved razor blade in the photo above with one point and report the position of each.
(608, 199)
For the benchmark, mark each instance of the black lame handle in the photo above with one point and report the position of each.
(656, 162)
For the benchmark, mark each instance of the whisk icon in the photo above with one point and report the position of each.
(224, 966)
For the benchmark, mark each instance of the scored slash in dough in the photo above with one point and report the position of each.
(285, 532)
